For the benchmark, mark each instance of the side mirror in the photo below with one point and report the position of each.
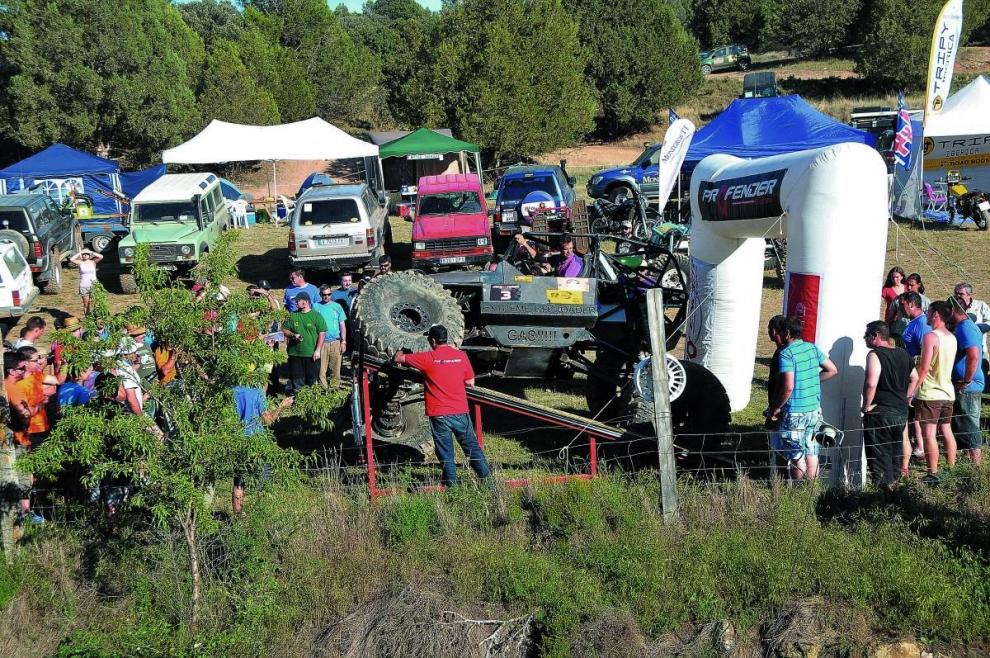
(645, 164)
(572, 181)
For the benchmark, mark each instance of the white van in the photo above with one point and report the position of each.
(17, 289)
(336, 227)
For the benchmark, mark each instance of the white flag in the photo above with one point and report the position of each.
(941, 61)
(676, 141)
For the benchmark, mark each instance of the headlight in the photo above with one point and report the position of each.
(482, 242)
(128, 252)
(419, 246)
(185, 249)
(595, 180)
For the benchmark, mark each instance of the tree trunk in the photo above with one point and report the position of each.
(8, 480)
(189, 529)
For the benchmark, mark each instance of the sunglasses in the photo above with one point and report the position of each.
(325, 294)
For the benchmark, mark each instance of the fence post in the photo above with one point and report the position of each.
(661, 404)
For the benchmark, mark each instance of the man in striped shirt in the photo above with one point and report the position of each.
(798, 399)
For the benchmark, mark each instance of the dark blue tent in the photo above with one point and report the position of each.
(60, 167)
(761, 127)
(315, 178)
(133, 182)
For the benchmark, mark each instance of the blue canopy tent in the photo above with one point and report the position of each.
(58, 168)
(761, 127)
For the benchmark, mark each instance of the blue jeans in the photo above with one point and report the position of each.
(460, 426)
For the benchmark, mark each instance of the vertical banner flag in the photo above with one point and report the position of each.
(671, 116)
(904, 136)
(676, 141)
(941, 61)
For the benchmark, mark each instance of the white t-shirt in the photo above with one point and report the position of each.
(87, 273)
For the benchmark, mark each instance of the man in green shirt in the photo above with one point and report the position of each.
(304, 331)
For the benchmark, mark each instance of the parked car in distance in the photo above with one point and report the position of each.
(520, 181)
(17, 289)
(45, 233)
(180, 217)
(98, 231)
(336, 227)
(724, 58)
(451, 226)
(619, 182)
(759, 84)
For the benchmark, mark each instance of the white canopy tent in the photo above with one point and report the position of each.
(312, 139)
(958, 137)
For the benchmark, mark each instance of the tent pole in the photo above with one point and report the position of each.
(275, 177)
(477, 165)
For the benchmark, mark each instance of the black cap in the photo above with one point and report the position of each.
(264, 285)
(438, 333)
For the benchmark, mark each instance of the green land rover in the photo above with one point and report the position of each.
(180, 216)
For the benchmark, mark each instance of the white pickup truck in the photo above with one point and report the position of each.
(17, 288)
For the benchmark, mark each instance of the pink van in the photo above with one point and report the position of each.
(451, 226)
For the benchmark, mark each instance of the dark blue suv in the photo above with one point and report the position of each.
(524, 188)
(618, 183)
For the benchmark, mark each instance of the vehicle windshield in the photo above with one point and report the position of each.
(449, 203)
(15, 220)
(516, 189)
(650, 153)
(329, 211)
(173, 211)
(15, 262)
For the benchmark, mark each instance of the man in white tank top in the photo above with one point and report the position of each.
(936, 393)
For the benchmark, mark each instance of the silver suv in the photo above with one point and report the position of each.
(336, 227)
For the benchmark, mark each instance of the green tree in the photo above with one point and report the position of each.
(171, 474)
(125, 91)
(641, 60)
(814, 27)
(509, 75)
(344, 77)
(275, 67)
(231, 93)
(213, 19)
(720, 22)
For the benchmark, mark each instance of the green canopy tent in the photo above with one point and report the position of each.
(425, 152)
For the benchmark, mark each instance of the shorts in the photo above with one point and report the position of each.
(795, 436)
(929, 412)
(84, 290)
(966, 421)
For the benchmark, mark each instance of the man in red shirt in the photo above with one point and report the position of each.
(446, 371)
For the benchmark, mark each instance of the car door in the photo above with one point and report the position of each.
(719, 59)
(57, 230)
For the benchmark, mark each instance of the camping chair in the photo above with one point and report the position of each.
(937, 199)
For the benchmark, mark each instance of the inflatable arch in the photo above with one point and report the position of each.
(831, 204)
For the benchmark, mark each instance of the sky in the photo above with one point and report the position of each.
(355, 5)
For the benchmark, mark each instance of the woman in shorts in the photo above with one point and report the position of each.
(86, 261)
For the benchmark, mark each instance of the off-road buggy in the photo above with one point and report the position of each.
(515, 323)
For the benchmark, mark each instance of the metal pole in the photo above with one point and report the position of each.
(477, 425)
(275, 183)
(661, 404)
(593, 454)
(368, 435)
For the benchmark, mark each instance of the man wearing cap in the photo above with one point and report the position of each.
(335, 338)
(146, 367)
(305, 330)
(967, 378)
(446, 371)
(297, 284)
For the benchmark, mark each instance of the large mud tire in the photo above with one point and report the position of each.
(128, 284)
(394, 311)
(54, 284)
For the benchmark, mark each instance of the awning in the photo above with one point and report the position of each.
(425, 142)
(312, 139)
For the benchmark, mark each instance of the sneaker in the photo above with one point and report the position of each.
(31, 517)
(931, 479)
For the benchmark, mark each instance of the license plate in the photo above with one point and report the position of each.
(333, 242)
(983, 205)
(450, 260)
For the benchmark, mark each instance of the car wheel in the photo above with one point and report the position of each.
(101, 243)
(618, 193)
(706, 70)
(54, 284)
(394, 310)
(128, 284)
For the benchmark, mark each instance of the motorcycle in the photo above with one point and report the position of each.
(973, 204)
(607, 217)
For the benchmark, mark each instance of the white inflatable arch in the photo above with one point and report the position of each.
(831, 205)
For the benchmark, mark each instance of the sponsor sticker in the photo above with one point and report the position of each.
(747, 197)
(523, 278)
(307, 207)
(571, 283)
(565, 296)
(504, 292)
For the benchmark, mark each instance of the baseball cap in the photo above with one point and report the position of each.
(438, 332)
(303, 296)
(626, 223)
